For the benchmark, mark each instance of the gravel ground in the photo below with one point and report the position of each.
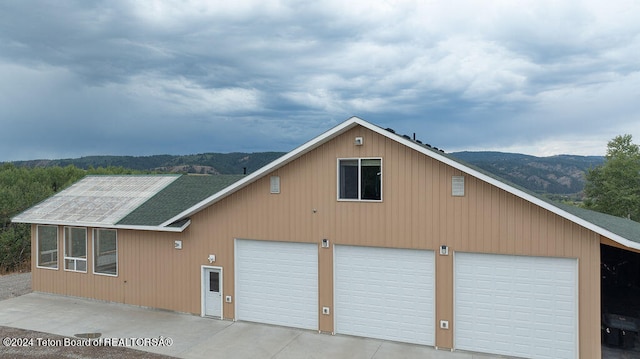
(32, 344)
(14, 285)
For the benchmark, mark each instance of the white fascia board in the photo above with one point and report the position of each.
(160, 228)
(290, 156)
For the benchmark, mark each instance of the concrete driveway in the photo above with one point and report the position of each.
(191, 336)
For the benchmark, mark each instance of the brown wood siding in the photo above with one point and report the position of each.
(417, 211)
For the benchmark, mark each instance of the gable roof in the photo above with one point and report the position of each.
(141, 202)
(623, 231)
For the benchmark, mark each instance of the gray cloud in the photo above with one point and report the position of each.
(120, 77)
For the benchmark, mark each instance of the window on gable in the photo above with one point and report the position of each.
(360, 179)
(47, 237)
(105, 251)
(75, 249)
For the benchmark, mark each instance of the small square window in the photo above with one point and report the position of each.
(360, 179)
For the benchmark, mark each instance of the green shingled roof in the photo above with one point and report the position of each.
(181, 194)
(623, 227)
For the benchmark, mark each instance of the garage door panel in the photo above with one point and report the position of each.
(385, 293)
(515, 305)
(277, 283)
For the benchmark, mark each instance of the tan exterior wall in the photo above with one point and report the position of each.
(609, 242)
(417, 211)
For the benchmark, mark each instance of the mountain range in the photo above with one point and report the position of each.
(561, 176)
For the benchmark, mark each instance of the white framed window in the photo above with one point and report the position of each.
(75, 249)
(360, 179)
(105, 251)
(47, 244)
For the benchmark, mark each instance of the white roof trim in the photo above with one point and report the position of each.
(354, 121)
(114, 226)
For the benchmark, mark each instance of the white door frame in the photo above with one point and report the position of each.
(203, 290)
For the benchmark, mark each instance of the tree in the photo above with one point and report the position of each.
(614, 187)
(21, 188)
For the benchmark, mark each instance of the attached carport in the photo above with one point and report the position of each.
(619, 268)
(620, 280)
(620, 286)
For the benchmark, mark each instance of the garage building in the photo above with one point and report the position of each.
(359, 232)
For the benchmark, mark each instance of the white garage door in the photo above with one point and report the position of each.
(277, 283)
(385, 293)
(515, 305)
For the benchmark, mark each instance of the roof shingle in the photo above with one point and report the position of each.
(181, 194)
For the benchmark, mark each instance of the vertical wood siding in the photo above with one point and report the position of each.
(417, 211)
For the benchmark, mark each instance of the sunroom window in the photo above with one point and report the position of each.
(360, 179)
(47, 237)
(75, 249)
(105, 251)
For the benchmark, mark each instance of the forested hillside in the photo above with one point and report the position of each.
(203, 163)
(555, 176)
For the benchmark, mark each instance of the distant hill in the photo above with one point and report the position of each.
(204, 163)
(562, 175)
(556, 175)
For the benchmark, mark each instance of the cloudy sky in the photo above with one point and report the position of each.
(81, 78)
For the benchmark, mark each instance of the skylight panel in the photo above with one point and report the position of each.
(97, 200)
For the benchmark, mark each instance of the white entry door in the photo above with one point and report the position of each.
(211, 285)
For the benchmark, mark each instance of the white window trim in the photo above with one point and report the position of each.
(75, 259)
(38, 247)
(94, 249)
(359, 159)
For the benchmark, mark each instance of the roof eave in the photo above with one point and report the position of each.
(159, 228)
